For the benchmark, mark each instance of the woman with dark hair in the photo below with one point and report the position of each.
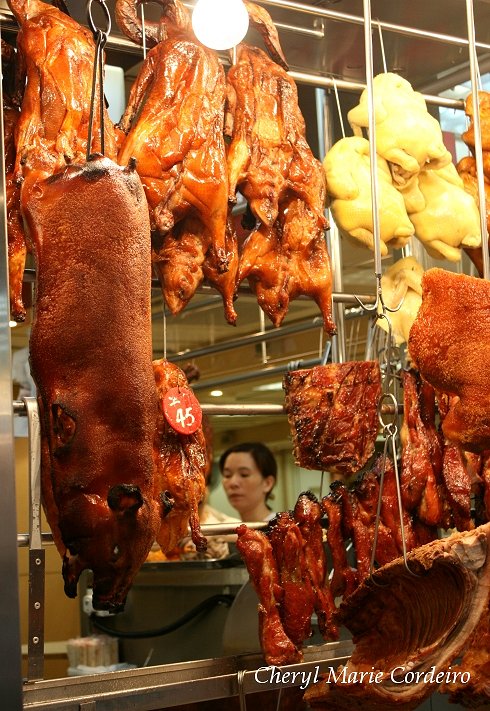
(249, 472)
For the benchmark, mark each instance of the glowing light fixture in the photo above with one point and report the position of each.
(216, 393)
(12, 324)
(220, 24)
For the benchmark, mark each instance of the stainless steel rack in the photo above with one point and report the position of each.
(156, 687)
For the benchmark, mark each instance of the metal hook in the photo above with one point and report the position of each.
(390, 431)
(100, 37)
(241, 691)
(90, 19)
(383, 55)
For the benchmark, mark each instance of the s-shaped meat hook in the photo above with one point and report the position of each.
(100, 37)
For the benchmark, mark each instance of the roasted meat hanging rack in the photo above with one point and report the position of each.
(45, 694)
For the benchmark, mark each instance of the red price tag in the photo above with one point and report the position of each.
(182, 410)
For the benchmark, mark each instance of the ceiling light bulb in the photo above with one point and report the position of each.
(12, 324)
(220, 24)
(216, 393)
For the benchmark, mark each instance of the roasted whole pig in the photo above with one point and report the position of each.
(90, 357)
(408, 627)
(56, 54)
(447, 343)
(333, 414)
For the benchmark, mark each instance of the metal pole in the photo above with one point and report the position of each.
(325, 140)
(10, 649)
(478, 142)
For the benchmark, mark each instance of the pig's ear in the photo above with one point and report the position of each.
(125, 498)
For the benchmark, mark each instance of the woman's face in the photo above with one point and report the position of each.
(243, 483)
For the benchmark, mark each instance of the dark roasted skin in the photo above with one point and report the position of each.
(332, 412)
(180, 465)
(345, 578)
(298, 597)
(17, 249)
(308, 514)
(407, 622)
(90, 236)
(271, 164)
(256, 551)
(448, 343)
(174, 128)
(56, 55)
(421, 474)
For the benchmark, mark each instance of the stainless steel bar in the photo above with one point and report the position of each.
(368, 50)
(37, 563)
(253, 375)
(10, 647)
(159, 687)
(326, 138)
(478, 140)
(358, 20)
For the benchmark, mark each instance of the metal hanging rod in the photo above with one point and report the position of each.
(123, 44)
(359, 20)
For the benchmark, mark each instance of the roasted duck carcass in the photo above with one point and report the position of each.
(333, 415)
(17, 248)
(180, 467)
(174, 125)
(271, 164)
(450, 218)
(288, 260)
(57, 56)
(407, 136)
(256, 551)
(89, 231)
(409, 627)
(467, 172)
(401, 283)
(347, 168)
(447, 343)
(484, 110)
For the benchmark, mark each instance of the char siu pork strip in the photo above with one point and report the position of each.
(448, 343)
(421, 473)
(180, 463)
(298, 597)
(410, 623)
(308, 514)
(332, 413)
(344, 580)
(256, 551)
(90, 356)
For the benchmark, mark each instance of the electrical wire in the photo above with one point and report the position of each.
(204, 606)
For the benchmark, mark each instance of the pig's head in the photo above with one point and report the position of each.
(110, 535)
